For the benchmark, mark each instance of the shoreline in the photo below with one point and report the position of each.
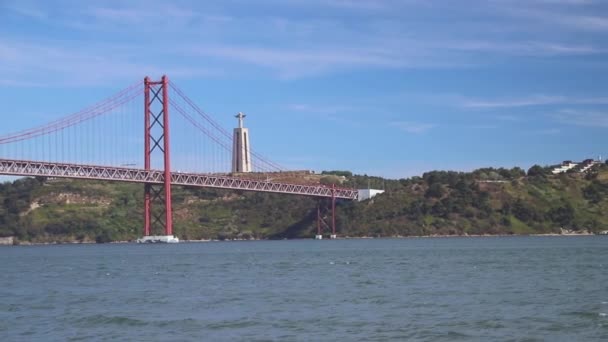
(27, 243)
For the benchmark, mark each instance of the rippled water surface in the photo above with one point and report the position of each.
(443, 289)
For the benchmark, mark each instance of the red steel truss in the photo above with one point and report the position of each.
(110, 173)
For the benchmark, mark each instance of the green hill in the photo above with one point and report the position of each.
(486, 201)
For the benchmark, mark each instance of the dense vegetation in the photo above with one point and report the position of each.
(486, 201)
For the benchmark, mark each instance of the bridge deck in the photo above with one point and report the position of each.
(109, 173)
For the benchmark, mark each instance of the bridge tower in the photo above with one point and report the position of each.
(241, 157)
(321, 222)
(157, 139)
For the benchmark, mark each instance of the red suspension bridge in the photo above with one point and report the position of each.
(105, 142)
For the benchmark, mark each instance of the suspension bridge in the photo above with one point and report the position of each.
(106, 141)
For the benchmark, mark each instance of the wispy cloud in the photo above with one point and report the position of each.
(582, 118)
(549, 2)
(139, 15)
(524, 48)
(26, 10)
(580, 15)
(576, 21)
(296, 62)
(341, 4)
(289, 45)
(546, 131)
(21, 63)
(335, 113)
(587, 22)
(413, 127)
(320, 109)
(535, 100)
(508, 117)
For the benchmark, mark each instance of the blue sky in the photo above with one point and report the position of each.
(385, 87)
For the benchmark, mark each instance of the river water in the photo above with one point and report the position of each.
(419, 289)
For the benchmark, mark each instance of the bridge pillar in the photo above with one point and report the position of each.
(319, 235)
(333, 212)
(321, 223)
(157, 139)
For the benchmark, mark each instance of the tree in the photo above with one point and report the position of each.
(404, 182)
(593, 192)
(517, 172)
(522, 212)
(444, 177)
(103, 237)
(436, 190)
(330, 179)
(563, 215)
(536, 171)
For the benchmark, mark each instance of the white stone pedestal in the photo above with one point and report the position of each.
(158, 239)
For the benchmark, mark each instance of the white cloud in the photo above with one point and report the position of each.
(582, 118)
(347, 4)
(536, 100)
(296, 62)
(327, 112)
(413, 127)
(279, 43)
(524, 48)
(25, 9)
(508, 117)
(320, 109)
(587, 22)
(560, 14)
(149, 15)
(22, 63)
(550, 2)
(547, 131)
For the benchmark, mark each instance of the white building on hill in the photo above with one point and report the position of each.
(368, 193)
(581, 167)
(566, 166)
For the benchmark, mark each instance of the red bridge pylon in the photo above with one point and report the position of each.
(321, 224)
(157, 139)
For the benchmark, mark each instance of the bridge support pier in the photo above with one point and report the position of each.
(321, 223)
(319, 235)
(333, 212)
(156, 138)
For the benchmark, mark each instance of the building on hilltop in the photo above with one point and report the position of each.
(241, 157)
(365, 194)
(567, 165)
(587, 164)
(581, 167)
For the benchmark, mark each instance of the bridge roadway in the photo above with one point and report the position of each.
(121, 174)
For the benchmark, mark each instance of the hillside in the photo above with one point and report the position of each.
(486, 201)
